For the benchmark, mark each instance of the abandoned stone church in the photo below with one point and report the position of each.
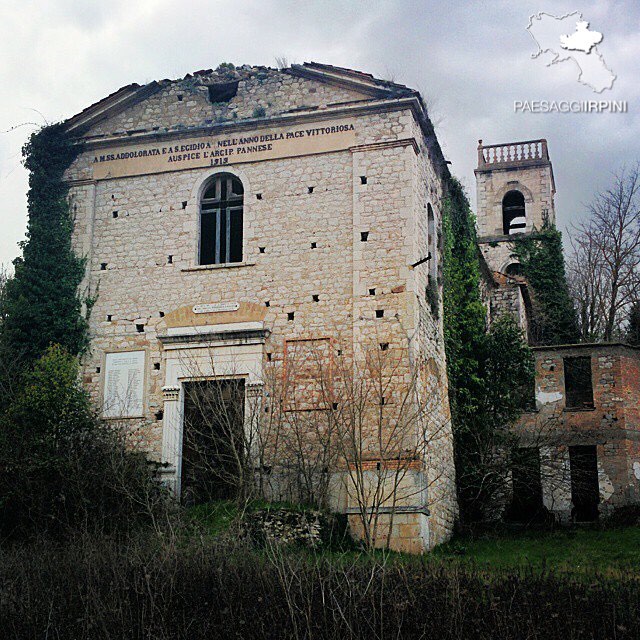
(275, 235)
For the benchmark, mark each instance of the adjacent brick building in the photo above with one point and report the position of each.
(236, 217)
(580, 438)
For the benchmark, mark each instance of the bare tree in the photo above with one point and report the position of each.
(605, 265)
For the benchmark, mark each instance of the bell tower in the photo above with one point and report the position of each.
(515, 191)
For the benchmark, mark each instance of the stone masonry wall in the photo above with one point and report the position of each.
(303, 219)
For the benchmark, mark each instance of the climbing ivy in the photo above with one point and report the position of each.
(41, 303)
(490, 370)
(554, 318)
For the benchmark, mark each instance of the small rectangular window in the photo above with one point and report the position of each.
(577, 382)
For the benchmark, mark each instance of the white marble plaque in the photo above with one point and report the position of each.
(124, 384)
(216, 307)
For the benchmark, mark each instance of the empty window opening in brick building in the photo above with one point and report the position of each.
(291, 315)
(115, 214)
(372, 292)
(315, 297)
(585, 492)
(526, 504)
(140, 328)
(363, 179)
(314, 245)
(364, 236)
(213, 446)
(578, 386)
(379, 313)
(310, 189)
(513, 213)
(170, 259)
(221, 213)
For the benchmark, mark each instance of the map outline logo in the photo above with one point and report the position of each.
(569, 39)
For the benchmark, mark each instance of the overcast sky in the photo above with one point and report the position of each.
(469, 59)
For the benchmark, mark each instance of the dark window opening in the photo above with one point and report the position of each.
(103, 266)
(384, 346)
(223, 91)
(161, 314)
(169, 259)
(109, 316)
(372, 292)
(585, 492)
(514, 269)
(156, 366)
(97, 369)
(268, 356)
(364, 236)
(221, 214)
(291, 315)
(577, 382)
(379, 313)
(363, 179)
(140, 328)
(159, 414)
(258, 196)
(184, 204)
(526, 505)
(314, 245)
(261, 249)
(513, 213)
(267, 303)
(180, 97)
(115, 214)
(213, 443)
(310, 189)
(315, 297)
(334, 406)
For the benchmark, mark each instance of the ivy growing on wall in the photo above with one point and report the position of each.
(41, 304)
(490, 369)
(554, 318)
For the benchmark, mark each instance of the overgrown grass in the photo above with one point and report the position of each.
(577, 550)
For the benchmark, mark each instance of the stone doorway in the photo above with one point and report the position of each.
(212, 440)
(585, 491)
(527, 504)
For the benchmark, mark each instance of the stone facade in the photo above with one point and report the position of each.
(519, 166)
(332, 224)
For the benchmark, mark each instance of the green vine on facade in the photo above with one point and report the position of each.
(554, 318)
(42, 304)
(490, 369)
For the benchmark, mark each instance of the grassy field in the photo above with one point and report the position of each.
(609, 551)
(615, 552)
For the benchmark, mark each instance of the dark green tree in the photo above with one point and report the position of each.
(633, 327)
(41, 304)
(554, 317)
(490, 371)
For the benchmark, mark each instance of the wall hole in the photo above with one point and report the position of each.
(180, 97)
(314, 245)
(379, 313)
(268, 356)
(310, 189)
(97, 369)
(261, 249)
(103, 266)
(156, 366)
(334, 406)
(364, 236)
(169, 259)
(384, 346)
(140, 328)
(363, 179)
(115, 214)
(315, 297)
(267, 303)
(159, 414)
(372, 292)
(339, 352)
(161, 314)
(109, 316)
(291, 315)
(258, 196)
(184, 204)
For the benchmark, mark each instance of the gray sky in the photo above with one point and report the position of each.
(470, 60)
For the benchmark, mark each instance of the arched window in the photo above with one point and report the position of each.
(221, 220)
(514, 269)
(513, 214)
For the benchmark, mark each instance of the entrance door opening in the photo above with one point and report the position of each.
(585, 493)
(212, 441)
(526, 506)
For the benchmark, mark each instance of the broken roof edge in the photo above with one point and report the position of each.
(111, 105)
